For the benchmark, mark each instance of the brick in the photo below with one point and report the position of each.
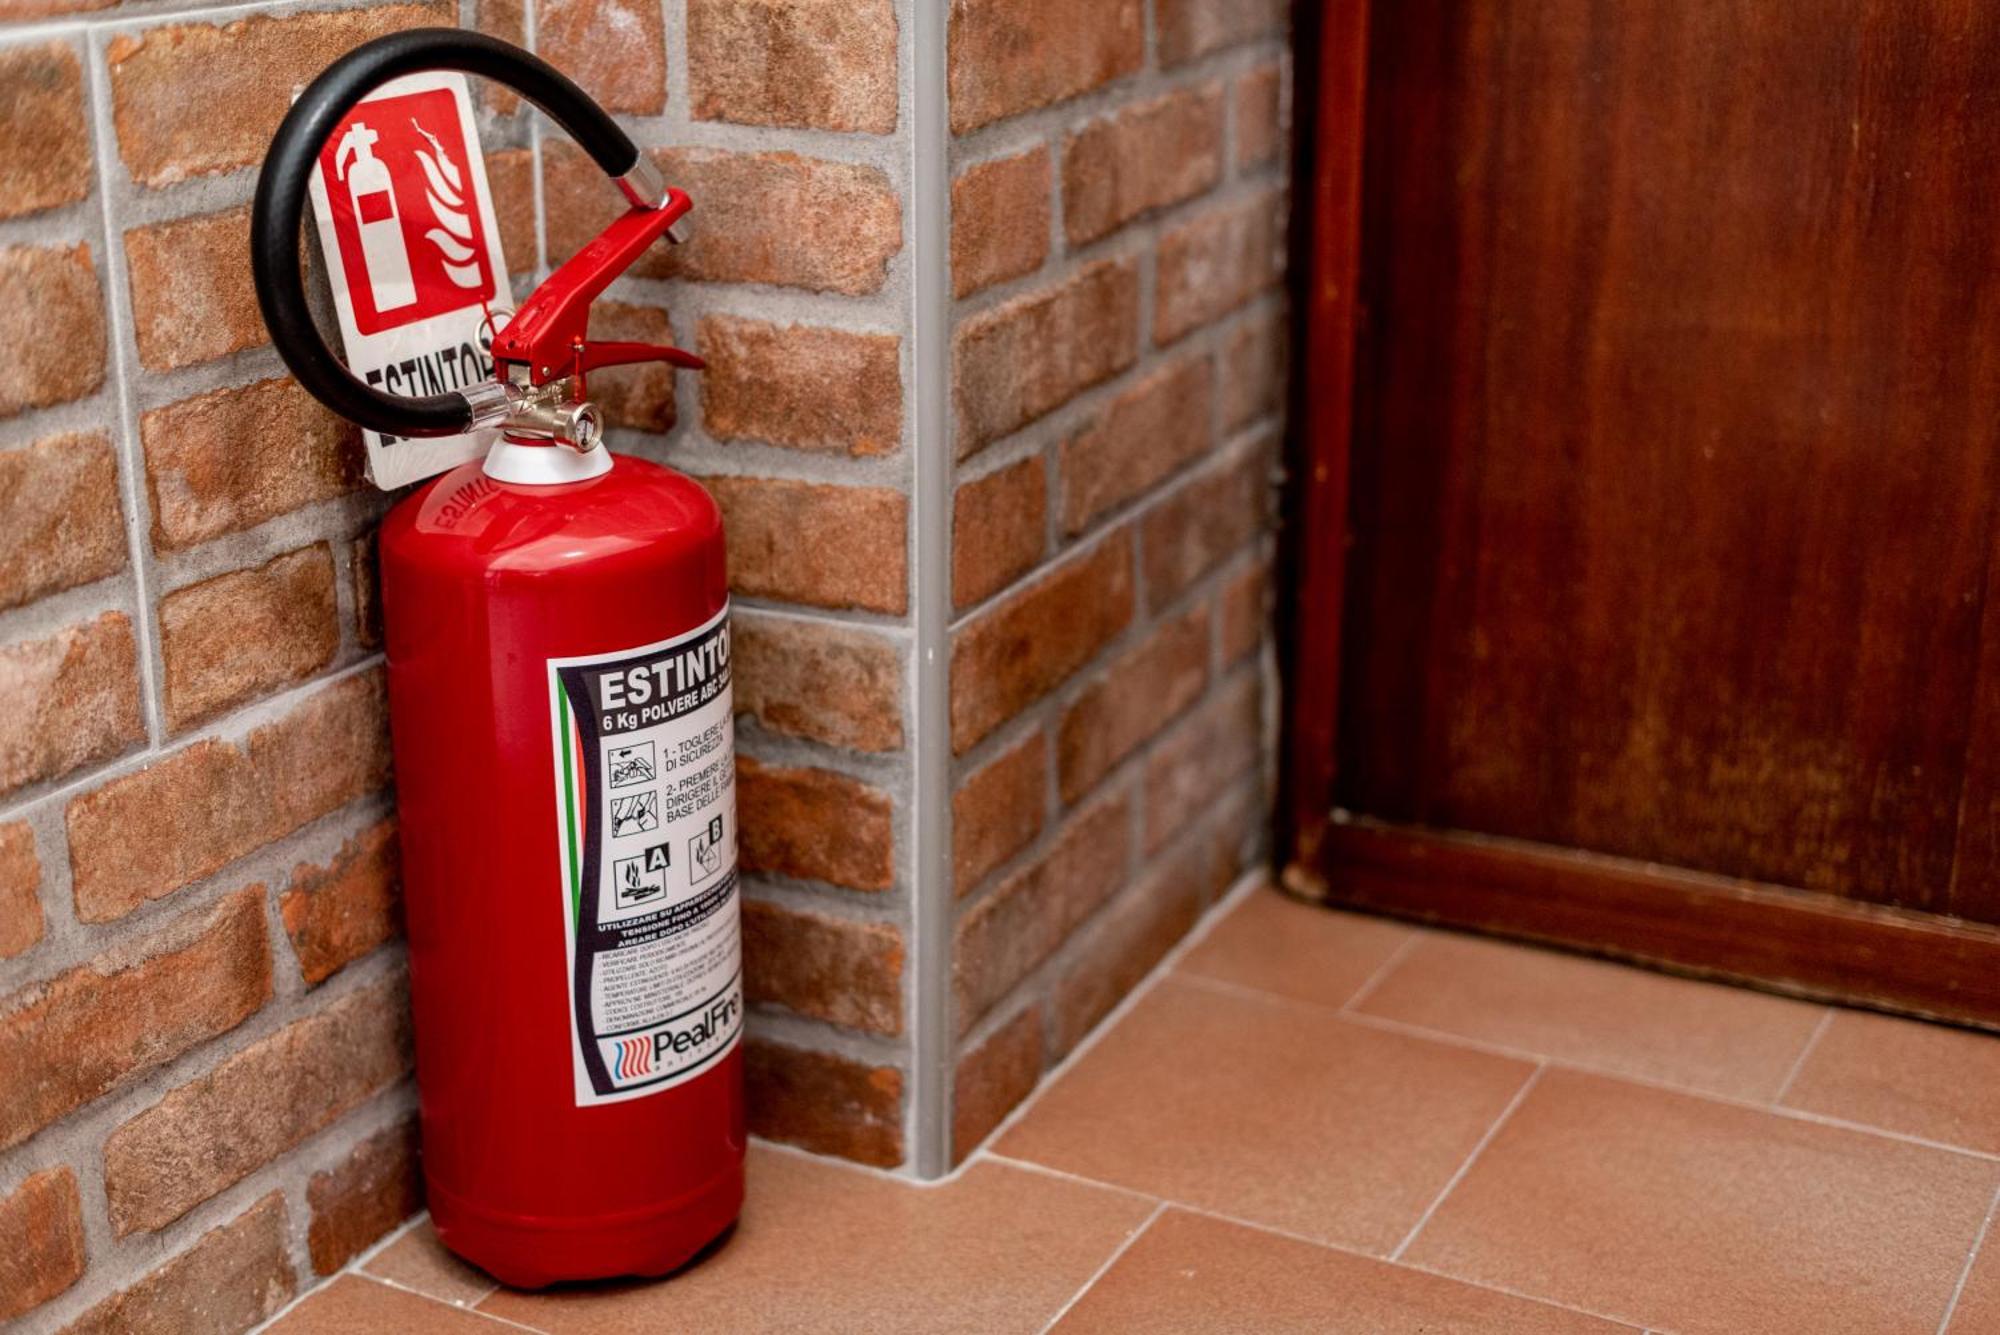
(20, 889)
(51, 326)
(194, 811)
(1253, 369)
(376, 1187)
(44, 141)
(1000, 220)
(247, 633)
(507, 20)
(819, 680)
(230, 459)
(72, 700)
(213, 1132)
(1034, 353)
(510, 173)
(816, 825)
(1243, 613)
(1195, 762)
(616, 50)
(999, 529)
(1003, 937)
(233, 1278)
(1260, 112)
(1005, 57)
(776, 218)
(829, 390)
(834, 969)
(1121, 946)
(813, 543)
(1190, 29)
(337, 913)
(801, 63)
(61, 519)
(102, 1025)
(1030, 642)
(823, 1102)
(1233, 840)
(34, 9)
(191, 295)
(1192, 531)
(1214, 263)
(245, 71)
(993, 1078)
(997, 810)
(41, 1241)
(1148, 433)
(1130, 701)
(367, 592)
(1142, 157)
(640, 397)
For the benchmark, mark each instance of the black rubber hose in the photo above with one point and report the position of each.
(281, 194)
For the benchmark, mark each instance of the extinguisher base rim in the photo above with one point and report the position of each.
(533, 1252)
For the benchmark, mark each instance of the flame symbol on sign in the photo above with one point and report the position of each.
(444, 191)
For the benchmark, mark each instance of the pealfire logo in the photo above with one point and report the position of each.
(635, 1059)
(685, 1042)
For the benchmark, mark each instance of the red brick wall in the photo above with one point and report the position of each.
(1117, 242)
(204, 1048)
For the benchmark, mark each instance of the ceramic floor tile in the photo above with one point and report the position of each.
(1190, 1275)
(417, 1260)
(1270, 1111)
(1276, 944)
(1978, 1310)
(354, 1306)
(1670, 1209)
(1725, 1040)
(825, 1248)
(1904, 1075)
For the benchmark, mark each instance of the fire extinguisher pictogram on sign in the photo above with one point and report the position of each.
(412, 241)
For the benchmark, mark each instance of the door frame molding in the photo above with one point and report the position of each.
(1331, 91)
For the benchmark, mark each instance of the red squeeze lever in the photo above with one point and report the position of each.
(547, 334)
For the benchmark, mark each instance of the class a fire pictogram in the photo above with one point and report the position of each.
(444, 188)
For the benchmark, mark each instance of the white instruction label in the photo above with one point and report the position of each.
(646, 809)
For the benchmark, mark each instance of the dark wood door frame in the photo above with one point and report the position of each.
(1332, 93)
(1770, 936)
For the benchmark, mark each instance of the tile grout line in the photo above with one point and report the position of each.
(1799, 1064)
(1971, 1259)
(1383, 970)
(1520, 1095)
(1586, 1068)
(1279, 1231)
(1101, 1270)
(470, 1311)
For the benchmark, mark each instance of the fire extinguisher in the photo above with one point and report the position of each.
(559, 694)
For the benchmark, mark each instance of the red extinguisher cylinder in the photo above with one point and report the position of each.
(483, 582)
(559, 694)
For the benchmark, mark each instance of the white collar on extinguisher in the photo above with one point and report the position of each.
(544, 465)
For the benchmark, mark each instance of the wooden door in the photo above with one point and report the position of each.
(1671, 464)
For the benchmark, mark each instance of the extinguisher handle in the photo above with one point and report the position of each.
(281, 192)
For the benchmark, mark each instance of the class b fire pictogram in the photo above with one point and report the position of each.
(405, 215)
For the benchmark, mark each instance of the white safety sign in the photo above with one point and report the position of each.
(412, 249)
